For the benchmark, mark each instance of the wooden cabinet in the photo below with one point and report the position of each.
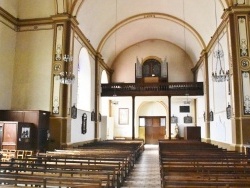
(192, 133)
(17, 136)
(39, 118)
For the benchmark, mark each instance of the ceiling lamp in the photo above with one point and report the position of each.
(219, 74)
(67, 77)
(187, 101)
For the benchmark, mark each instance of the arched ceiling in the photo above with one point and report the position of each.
(114, 25)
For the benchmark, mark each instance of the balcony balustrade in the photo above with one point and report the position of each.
(152, 89)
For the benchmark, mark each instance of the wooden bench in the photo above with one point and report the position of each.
(108, 173)
(109, 162)
(197, 164)
(46, 181)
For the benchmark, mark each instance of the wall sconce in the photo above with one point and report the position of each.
(211, 115)
(114, 102)
(73, 112)
(100, 117)
(228, 110)
(93, 115)
(84, 123)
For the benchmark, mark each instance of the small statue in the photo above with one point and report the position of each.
(176, 131)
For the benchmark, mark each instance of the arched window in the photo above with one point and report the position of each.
(104, 77)
(84, 81)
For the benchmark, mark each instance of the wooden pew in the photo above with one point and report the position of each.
(32, 180)
(110, 161)
(105, 173)
(197, 164)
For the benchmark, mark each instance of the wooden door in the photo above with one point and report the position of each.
(153, 130)
(9, 135)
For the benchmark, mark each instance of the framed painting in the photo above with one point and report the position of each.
(123, 116)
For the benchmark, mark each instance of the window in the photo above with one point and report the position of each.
(84, 81)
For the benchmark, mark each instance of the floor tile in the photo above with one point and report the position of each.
(146, 172)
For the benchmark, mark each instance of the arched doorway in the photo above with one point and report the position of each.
(152, 121)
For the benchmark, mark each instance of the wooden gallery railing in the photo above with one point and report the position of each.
(152, 89)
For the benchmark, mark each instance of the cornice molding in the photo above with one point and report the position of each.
(236, 9)
(8, 16)
(8, 20)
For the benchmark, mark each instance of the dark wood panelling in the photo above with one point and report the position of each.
(192, 133)
(39, 118)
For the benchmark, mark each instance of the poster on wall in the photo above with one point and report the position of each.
(123, 116)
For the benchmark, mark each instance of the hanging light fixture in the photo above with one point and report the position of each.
(187, 101)
(67, 77)
(219, 74)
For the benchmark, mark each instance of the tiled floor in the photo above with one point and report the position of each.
(146, 172)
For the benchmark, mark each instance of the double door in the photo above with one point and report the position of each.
(153, 130)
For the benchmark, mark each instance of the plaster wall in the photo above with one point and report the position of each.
(7, 60)
(32, 70)
(179, 64)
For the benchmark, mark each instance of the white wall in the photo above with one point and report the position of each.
(76, 135)
(121, 130)
(221, 129)
(175, 110)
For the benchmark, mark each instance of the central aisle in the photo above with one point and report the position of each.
(146, 172)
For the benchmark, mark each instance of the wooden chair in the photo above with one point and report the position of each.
(8, 154)
(20, 154)
(28, 153)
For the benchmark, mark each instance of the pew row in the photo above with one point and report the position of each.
(110, 165)
(196, 164)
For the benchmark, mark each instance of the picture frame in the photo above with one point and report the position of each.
(123, 116)
(25, 133)
(174, 119)
(188, 119)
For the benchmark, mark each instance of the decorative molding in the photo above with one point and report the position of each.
(59, 43)
(243, 41)
(7, 19)
(34, 27)
(154, 15)
(56, 95)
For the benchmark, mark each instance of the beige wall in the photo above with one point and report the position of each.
(28, 9)
(124, 65)
(32, 72)
(10, 6)
(7, 59)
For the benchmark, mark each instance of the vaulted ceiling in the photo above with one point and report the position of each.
(114, 25)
